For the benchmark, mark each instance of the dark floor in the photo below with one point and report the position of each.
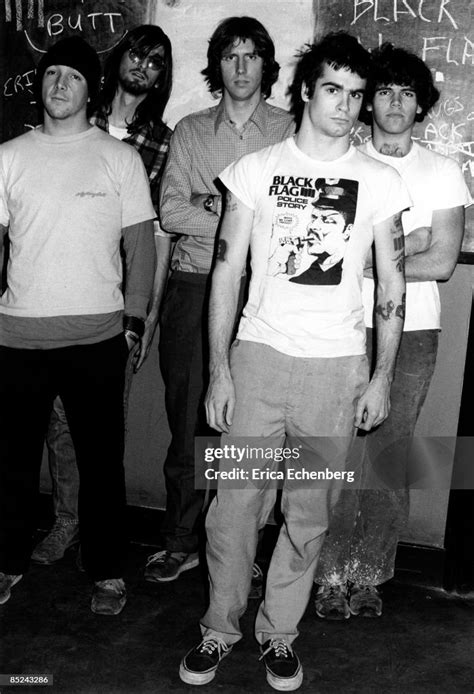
(422, 643)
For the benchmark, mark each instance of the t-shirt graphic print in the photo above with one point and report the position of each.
(309, 239)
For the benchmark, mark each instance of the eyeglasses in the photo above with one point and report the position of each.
(152, 62)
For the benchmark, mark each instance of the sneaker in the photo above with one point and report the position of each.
(284, 670)
(199, 665)
(166, 566)
(7, 581)
(365, 601)
(109, 596)
(53, 547)
(331, 602)
(256, 587)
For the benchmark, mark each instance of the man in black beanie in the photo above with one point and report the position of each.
(70, 196)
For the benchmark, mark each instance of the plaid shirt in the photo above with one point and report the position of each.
(152, 143)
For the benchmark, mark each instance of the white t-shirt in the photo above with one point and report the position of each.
(305, 290)
(435, 182)
(64, 197)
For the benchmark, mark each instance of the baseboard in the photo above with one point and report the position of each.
(415, 564)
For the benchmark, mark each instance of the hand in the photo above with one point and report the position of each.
(418, 241)
(278, 261)
(145, 343)
(220, 402)
(373, 406)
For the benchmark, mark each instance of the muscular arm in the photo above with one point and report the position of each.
(438, 261)
(232, 252)
(178, 213)
(374, 405)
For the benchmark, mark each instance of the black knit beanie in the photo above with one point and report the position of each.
(76, 53)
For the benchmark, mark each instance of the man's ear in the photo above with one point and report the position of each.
(418, 110)
(368, 107)
(304, 92)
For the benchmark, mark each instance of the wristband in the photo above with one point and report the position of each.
(208, 203)
(135, 325)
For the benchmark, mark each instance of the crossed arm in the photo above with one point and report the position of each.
(374, 405)
(231, 256)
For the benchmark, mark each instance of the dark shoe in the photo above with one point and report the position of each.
(7, 581)
(166, 566)
(284, 670)
(59, 539)
(331, 602)
(109, 596)
(256, 587)
(365, 601)
(199, 665)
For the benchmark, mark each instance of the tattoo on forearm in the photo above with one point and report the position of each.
(230, 205)
(385, 311)
(400, 310)
(221, 250)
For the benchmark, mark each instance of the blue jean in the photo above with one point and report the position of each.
(288, 397)
(366, 524)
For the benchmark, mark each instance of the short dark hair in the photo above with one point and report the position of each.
(241, 28)
(338, 50)
(142, 39)
(392, 65)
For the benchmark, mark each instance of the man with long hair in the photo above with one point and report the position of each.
(136, 88)
(241, 69)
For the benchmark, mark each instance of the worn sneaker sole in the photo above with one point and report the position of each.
(198, 678)
(285, 684)
(6, 597)
(333, 616)
(370, 612)
(110, 611)
(166, 579)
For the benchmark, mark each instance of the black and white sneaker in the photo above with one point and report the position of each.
(284, 670)
(199, 665)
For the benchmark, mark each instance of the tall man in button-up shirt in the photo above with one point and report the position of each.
(241, 64)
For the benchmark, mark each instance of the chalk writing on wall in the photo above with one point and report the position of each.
(440, 32)
(29, 27)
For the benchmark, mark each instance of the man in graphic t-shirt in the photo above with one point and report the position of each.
(70, 197)
(298, 368)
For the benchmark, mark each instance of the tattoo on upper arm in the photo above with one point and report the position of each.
(230, 204)
(221, 250)
(398, 243)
